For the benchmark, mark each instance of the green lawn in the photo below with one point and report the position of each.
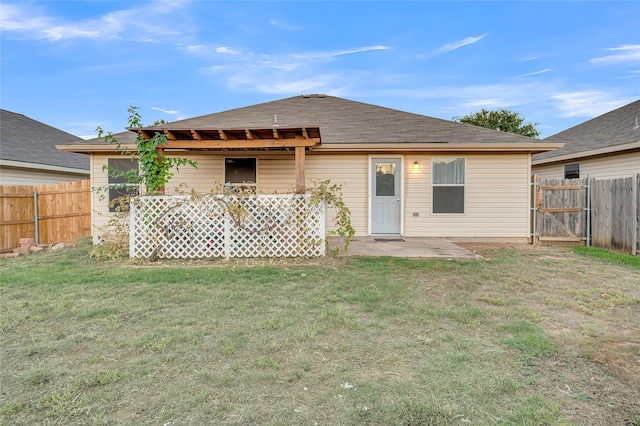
(528, 336)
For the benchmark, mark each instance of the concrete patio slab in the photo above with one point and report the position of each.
(409, 247)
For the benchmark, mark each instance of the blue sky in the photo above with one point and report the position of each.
(76, 65)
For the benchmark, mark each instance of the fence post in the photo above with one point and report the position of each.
(132, 228)
(35, 216)
(588, 211)
(634, 201)
(323, 225)
(534, 207)
(227, 235)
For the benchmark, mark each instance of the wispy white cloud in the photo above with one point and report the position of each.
(227, 51)
(625, 53)
(148, 40)
(278, 73)
(214, 69)
(587, 103)
(359, 50)
(294, 87)
(336, 53)
(536, 72)
(290, 66)
(33, 23)
(514, 94)
(458, 44)
(195, 48)
(284, 26)
(166, 111)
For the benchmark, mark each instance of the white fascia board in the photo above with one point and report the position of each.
(48, 167)
(592, 153)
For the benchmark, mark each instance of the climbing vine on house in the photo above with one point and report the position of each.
(153, 173)
(155, 170)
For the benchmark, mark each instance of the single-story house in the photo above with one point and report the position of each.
(403, 174)
(28, 154)
(605, 147)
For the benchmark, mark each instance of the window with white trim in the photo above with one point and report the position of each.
(120, 187)
(241, 172)
(448, 185)
(572, 171)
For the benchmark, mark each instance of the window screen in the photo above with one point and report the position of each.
(448, 185)
(120, 186)
(240, 171)
(572, 171)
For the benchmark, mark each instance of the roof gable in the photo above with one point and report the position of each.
(343, 124)
(343, 121)
(29, 141)
(616, 128)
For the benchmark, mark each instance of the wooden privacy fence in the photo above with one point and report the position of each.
(603, 213)
(615, 214)
(47, 213)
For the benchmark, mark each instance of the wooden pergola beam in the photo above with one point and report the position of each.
(241, 144)
(170, 135)
(196, 135)
(144, 134)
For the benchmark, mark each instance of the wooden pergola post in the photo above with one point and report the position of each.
(300, 160)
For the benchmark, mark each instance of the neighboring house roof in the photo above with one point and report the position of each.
(343, 123)
(613, 132)
(25, 142)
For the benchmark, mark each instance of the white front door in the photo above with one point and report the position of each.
(385, 195)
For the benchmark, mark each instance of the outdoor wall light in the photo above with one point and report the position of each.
(416, 166)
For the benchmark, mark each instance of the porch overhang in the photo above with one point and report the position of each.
(298, 139)
(221, 139)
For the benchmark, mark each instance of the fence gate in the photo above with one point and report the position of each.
(561, 213)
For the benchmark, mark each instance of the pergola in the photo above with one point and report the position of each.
(298, 139)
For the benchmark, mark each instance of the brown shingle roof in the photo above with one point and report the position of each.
(29, 141)
(342, 121)
(617, 127)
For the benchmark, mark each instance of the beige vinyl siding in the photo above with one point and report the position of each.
(607, 167)
(496, 191)
(99, 204)
(207, 176)
(276, 173)
(18, 176)
(351, 171)
(496, 198)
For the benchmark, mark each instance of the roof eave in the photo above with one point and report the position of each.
(440, 147)
(364, 147)
(617, 149)
(46, 167)
(90, 148)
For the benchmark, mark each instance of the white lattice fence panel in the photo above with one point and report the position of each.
(227, 226)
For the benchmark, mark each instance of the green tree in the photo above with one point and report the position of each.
(503, 120)
(155, 169)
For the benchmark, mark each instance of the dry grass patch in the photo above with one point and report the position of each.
(529, 336)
